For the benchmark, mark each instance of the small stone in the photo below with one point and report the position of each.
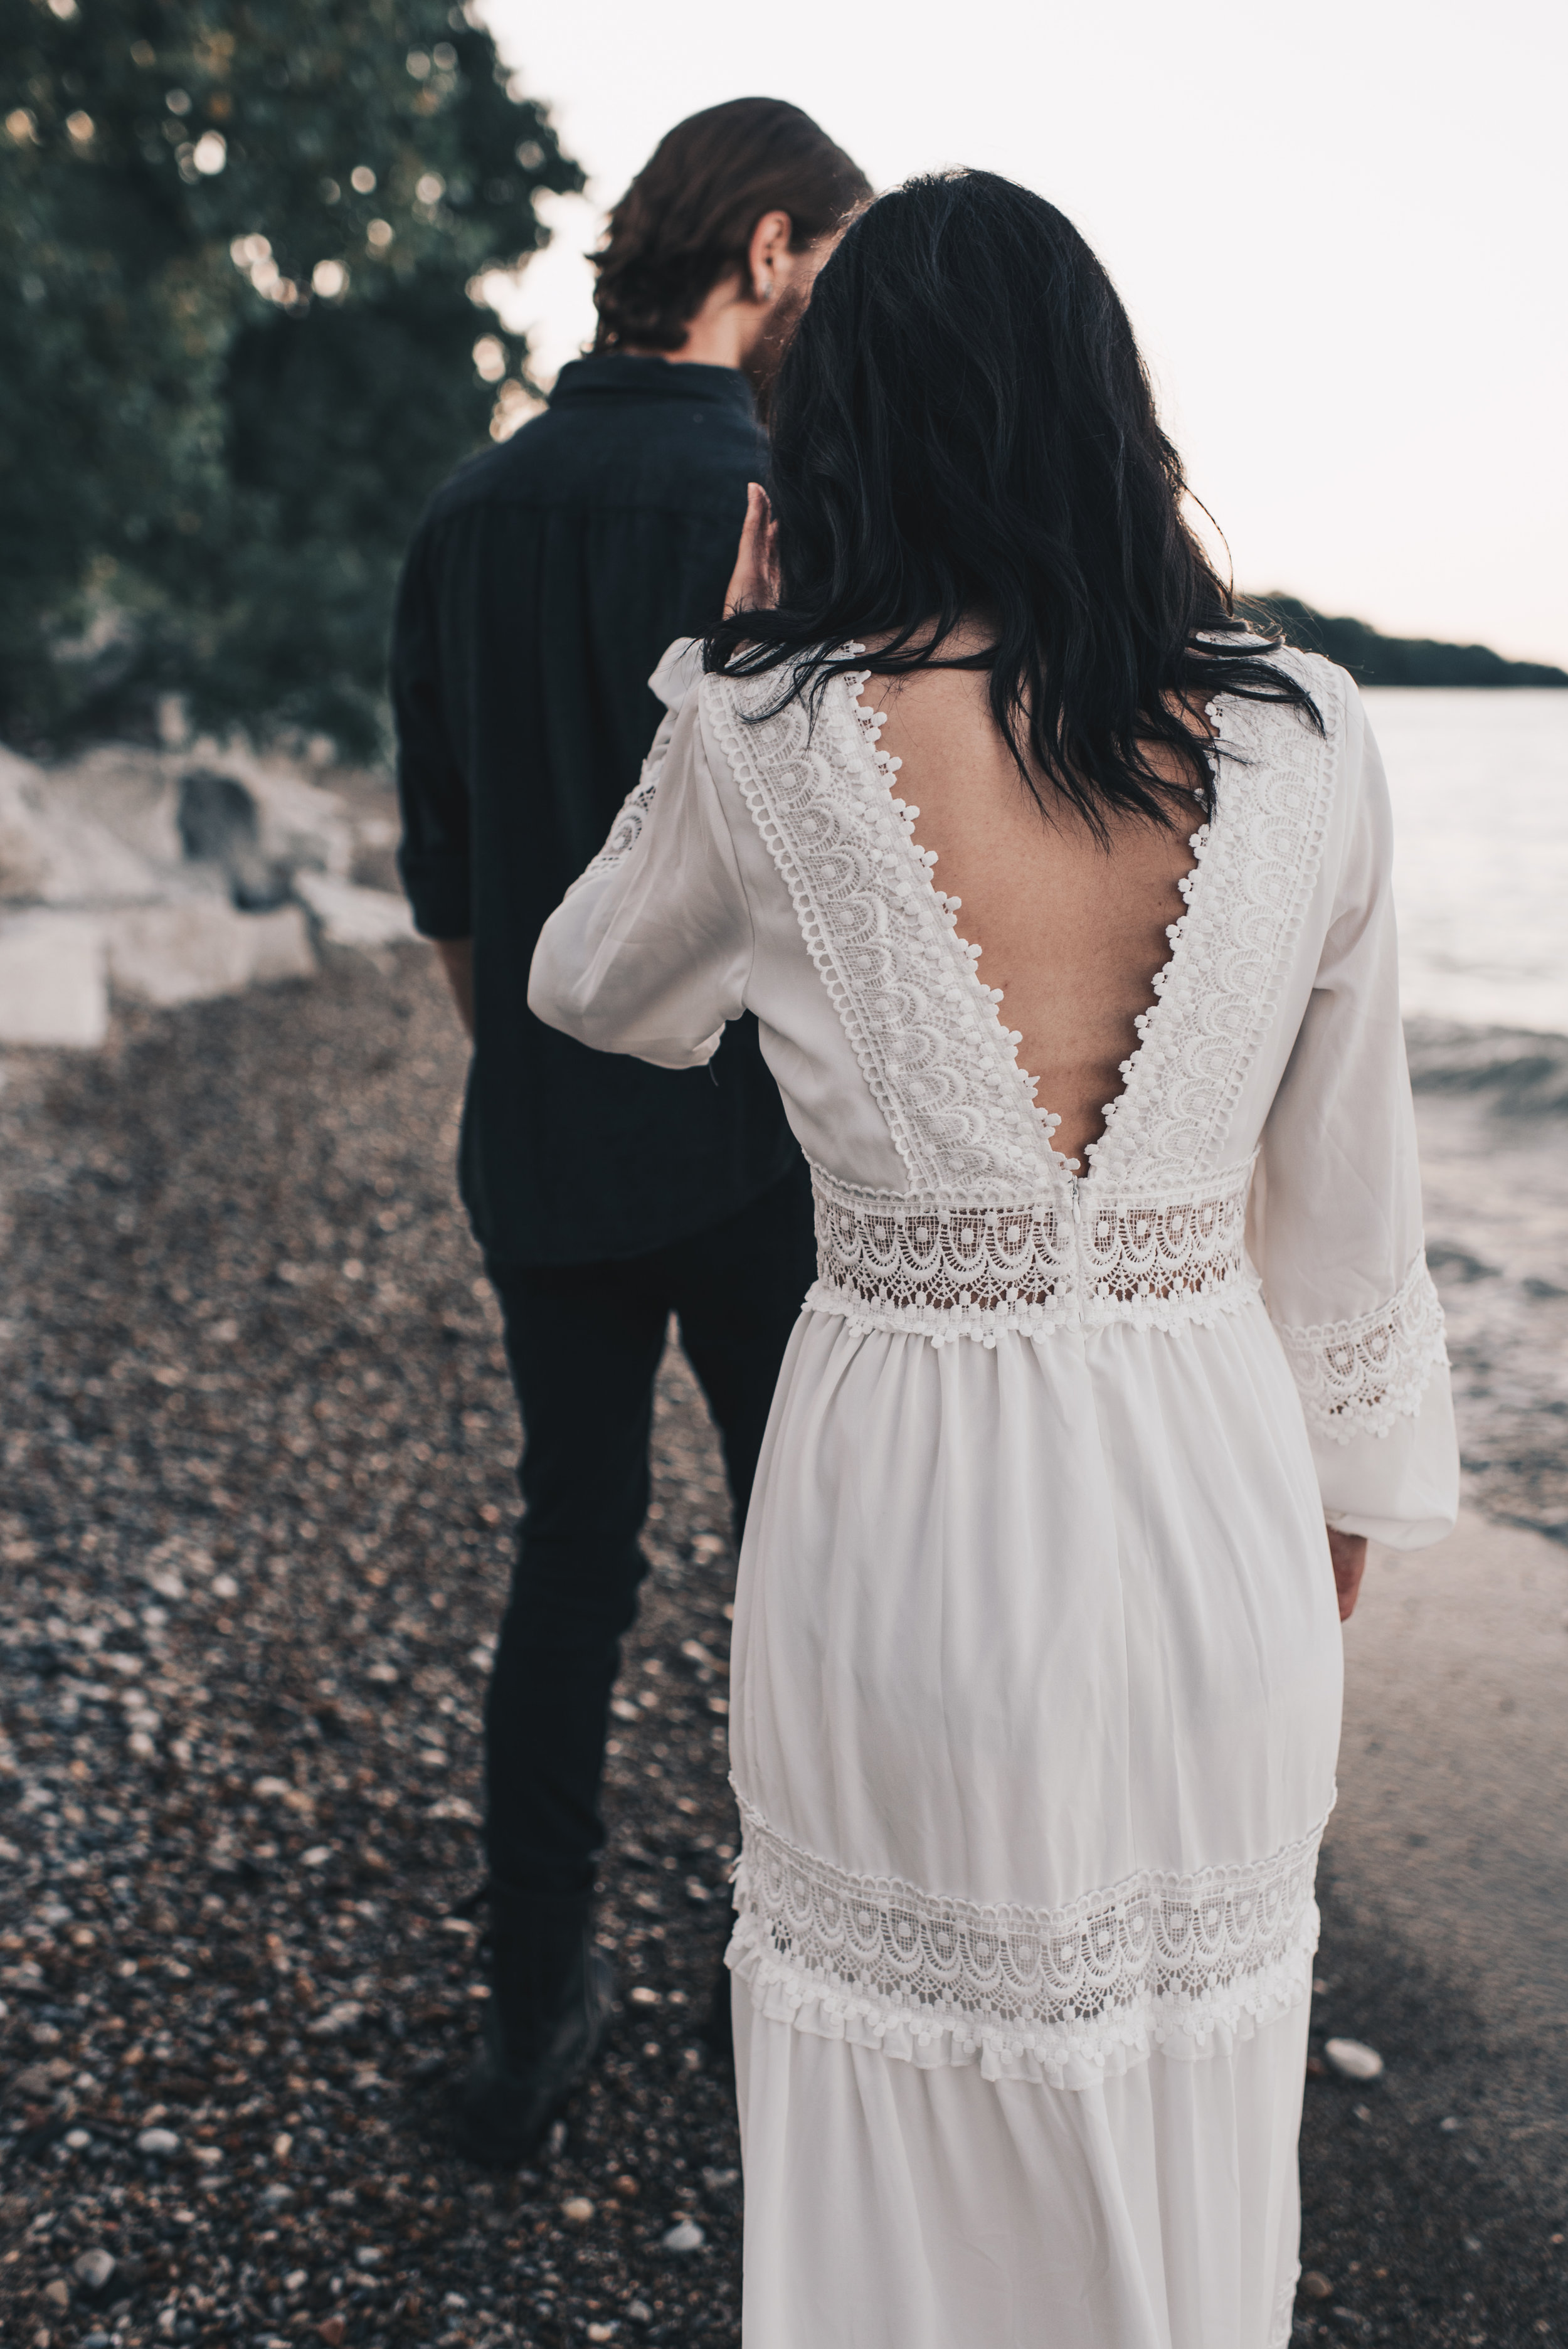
(1353, 2060)
(331, 2330)
(93, 2270)
(158, 2142)
(578, 2211)
(276, 2198)
(369, 2255)
(99, 2341)
(35, 2081)
(642, 1996)
(1448, 2124)
(627, 2187)
(601, 2333)
(639, 2312)
(1313, 2286)
(57, 2296)
(686, 2235)
(556, 2143)
(338, 2019)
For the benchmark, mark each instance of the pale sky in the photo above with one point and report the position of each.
(1341, 232)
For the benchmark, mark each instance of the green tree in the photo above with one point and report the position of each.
(242, 336)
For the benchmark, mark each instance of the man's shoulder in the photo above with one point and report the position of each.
(667, 455)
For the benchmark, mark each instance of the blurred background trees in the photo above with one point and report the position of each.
(242, 336)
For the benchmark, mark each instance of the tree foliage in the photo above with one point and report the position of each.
(241, 248)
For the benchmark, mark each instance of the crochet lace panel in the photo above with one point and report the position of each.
(940, 1066)
(1153, 1960)
(1274, 780)
(1360, 1378)
(943, 1270)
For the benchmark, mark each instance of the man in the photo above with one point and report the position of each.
(545, 584)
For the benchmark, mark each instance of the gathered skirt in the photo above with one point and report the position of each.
(1035, 1708)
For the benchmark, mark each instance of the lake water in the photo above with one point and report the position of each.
(1479, 788)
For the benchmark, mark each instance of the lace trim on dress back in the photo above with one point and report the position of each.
(943, 1271)
(1246, 898)
(1179, 1964)
(1360, 1378)
(940, 1065)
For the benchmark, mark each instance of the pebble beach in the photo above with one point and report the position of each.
(257, 1516)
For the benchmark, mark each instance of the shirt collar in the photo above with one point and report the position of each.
(651, 379)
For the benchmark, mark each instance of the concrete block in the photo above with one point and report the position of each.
(352, 916)
(198, 948)
(53, 979)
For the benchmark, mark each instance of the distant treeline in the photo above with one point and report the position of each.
(1374, 659)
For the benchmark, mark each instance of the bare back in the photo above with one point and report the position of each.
(1071, 931)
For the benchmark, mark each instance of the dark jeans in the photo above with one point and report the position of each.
(583, 1342)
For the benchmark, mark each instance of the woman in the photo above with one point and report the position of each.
(1036, 1678)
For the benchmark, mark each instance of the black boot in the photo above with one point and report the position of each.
(548, 2010)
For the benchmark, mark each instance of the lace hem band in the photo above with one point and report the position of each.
(1360, 1378)
(1184, 1966)
(944, 1269)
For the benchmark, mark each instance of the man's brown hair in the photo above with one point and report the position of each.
(687, 220)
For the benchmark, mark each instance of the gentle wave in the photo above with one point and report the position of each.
(1518, 1071)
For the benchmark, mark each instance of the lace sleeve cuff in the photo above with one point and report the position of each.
(1360, 1378)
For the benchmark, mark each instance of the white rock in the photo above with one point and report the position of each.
(161, 2142)
(1353, 2060)
(53, 979)
(26, 851)
(200, 947)
(55, 850)
(116, 807)
(301, 825)
(93, 2270)
(336, 2020)
(686, 2235)
(352, 916)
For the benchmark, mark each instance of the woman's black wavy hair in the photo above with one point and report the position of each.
(963, 426)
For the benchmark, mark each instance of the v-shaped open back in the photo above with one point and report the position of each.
(1070, 939)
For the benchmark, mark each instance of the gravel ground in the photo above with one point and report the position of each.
(255, 1522)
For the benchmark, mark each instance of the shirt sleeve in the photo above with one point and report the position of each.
(1343, 1261)
(649, 951)
(433, 857)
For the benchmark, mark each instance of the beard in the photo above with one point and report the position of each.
(761, 363)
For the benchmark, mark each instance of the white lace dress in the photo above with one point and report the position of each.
(1037, 1675)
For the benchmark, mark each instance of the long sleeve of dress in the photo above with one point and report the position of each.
(1343, 1267)
(649, 951)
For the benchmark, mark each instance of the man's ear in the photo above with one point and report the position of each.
(767, 249)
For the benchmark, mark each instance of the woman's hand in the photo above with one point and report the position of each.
(754, 583)
(1348, 1552)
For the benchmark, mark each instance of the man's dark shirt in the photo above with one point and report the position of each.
(545, 581)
